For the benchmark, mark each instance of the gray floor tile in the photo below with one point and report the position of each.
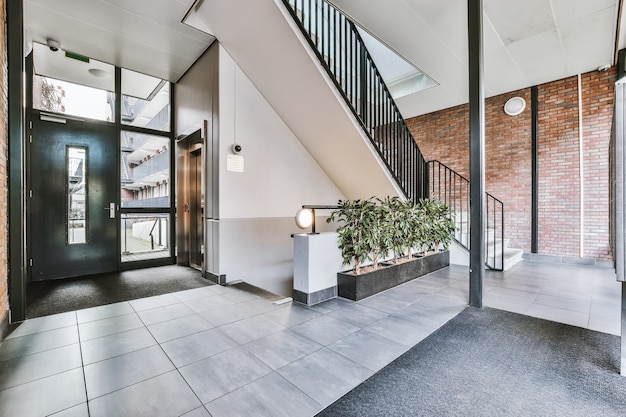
(194, 293)
(605, 309)
(25, 369)
(328, 306)
(164, 395)
(122, 371)
(282, 348)
(400, 330)
(503, 304)
(247, 330)
(42, 324)
(325, 329)
(385, 303)
(198, 412)
(116, 344)
(80, 410)
(38, 342)
(559, 315)
(572, 304)
(358, 315)
(292, 314)
(44, 396)
(270, 396)
(212, 302)
(605, 325)
(105, 327)
(192, 348)
(184, 326)
(325, 375)
(456, 293)
(368, 349)
(230, 314)
(514, 295)
(240, 296)
(153, 302)
(165, 313)
(104, 312)
(220, 374)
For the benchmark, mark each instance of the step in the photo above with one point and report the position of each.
(512, 257)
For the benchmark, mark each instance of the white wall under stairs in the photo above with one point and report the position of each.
(267, 45)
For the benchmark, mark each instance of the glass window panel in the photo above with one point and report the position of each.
(145, 236)
(145, 175)
(57, 96)
(145, 101)
(76, 195)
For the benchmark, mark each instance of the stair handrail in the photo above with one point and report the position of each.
(357, 78)
(456, 193)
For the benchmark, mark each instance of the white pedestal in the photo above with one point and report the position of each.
(317, 259)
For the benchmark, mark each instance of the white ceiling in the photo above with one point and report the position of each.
(525, 42)
(143, 35)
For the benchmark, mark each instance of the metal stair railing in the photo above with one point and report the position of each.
(453, 189)
(342, 52)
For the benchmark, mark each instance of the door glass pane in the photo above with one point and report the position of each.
(145, 101)
(145, 176)
(145, 236)
(76, 195)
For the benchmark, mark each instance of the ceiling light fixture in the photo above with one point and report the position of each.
(99, 73)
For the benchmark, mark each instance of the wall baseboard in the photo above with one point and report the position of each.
(315, 297)
(218, 279)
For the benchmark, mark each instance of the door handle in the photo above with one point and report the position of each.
(111, 209)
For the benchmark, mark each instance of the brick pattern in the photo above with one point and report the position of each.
(4, 187)
(443, 135)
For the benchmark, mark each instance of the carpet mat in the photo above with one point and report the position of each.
(58, 296)
(495, 363)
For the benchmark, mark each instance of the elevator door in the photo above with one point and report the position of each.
(73, 181)
(196, 209)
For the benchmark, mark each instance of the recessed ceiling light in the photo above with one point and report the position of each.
(99, 73)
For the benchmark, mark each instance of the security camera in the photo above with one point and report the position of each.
(236, 149)
(53, 45)
(603, 68)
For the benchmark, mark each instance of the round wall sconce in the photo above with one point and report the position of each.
(304, 218)
(514, 106)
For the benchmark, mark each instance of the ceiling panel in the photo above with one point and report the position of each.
(142, 35)
(540, 57)
(518, 20)
(583, 41)
(569, 10)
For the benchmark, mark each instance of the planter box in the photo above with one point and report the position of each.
(358, 287)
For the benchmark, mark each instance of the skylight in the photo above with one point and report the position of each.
(401, 77)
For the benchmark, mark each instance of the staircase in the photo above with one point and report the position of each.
(345, 115)
(454, 189)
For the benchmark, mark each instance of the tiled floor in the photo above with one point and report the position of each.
(219, 351)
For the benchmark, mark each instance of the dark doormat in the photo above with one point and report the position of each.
(495, 363)
(58, 296)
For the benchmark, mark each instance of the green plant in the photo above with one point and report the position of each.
(358, 232)
(439, 227)
(371, 229)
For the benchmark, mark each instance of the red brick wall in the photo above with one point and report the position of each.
(4, 234)
(443, 135)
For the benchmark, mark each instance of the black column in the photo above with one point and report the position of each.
(534, 100)
(477, 151)
(17, 260)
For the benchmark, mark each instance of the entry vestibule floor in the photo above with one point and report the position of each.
(229, 352)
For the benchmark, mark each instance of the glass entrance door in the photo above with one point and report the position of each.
(73, 208)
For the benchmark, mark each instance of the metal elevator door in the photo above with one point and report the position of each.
(196, 209)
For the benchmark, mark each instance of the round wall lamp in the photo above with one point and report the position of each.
(304, 218)
(514, 106)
